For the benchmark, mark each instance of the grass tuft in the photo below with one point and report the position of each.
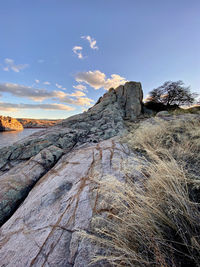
(154, 220)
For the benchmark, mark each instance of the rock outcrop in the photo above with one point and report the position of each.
(10, 124)
(48, 182)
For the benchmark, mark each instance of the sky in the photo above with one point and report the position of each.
(57, 57)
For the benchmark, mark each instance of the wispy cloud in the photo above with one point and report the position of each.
(14, 107)
(40, 61)
(9, 64)
(78, 51)
(97, 79)
(37, 81)
(58, 85)
(46, 83)
(80, 87)
(77, 94)
(91, 41)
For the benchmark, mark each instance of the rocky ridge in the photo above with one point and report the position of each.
(48, 190)
(10, 124)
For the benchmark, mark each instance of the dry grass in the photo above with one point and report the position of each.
(154, 221)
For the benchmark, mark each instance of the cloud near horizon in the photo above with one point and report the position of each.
(91, 41)
(97, 79)
(78, 51)
(10, 65)
(14, 107)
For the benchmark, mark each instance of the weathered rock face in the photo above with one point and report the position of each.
(130, 97)
(10, 124)
(55, 171)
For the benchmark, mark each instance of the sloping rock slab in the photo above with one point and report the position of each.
(44, 229)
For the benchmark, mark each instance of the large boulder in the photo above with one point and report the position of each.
(10, 124)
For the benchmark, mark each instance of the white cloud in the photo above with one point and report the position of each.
(77, 50)
(46, 83)
(10, 65)
(91, 41)
(14, 107)
(80, 87)
(37, 81)
(97, 79)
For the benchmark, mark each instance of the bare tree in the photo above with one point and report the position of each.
(172, 93)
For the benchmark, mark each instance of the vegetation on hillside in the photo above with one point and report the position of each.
(154, 216)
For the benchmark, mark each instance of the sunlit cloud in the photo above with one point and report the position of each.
(78, 101)
(14, 107)
(80, 87)
(9, 64)
(83, 101)
(77, 94)
(97, 79)
(91, 41)
(78, 51)
(37, 81)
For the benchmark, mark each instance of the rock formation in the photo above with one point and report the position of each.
(10, 124)
(48, 190)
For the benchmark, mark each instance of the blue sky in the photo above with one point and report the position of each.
(57, 57)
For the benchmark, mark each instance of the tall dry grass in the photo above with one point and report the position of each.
(154, 220)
